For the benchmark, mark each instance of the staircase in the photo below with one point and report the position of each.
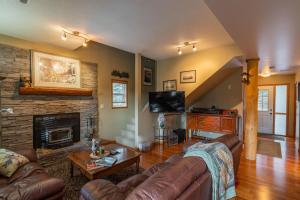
(224, 72)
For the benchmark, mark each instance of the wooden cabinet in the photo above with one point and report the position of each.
(219, 123)
(228, 124)
(208, 123)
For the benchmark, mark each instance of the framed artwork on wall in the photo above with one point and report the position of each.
(170, 85)
(148, 76)
(188, 76)
(55, 71)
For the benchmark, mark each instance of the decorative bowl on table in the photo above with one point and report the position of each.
(98, 155)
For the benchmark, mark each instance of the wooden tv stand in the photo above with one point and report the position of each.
(226, 122)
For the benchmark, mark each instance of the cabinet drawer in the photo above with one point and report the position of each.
(209, 123)
(228, 124)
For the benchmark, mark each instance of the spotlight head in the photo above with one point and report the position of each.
(84, 44)
(194, 47)
(64, 36)
(179, 51)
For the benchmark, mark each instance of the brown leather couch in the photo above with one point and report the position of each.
(31, 182)
(176, 178)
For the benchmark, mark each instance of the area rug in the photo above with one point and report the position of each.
(269, 148)
(61, 169)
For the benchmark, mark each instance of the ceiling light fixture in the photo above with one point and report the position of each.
(84, 43)
(266, 71)
(179, 51)
(194, 47)
(187, 44)
(64, 36)
(75, 34)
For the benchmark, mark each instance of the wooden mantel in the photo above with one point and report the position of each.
(55, 91)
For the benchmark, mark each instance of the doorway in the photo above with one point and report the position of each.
(273, 109)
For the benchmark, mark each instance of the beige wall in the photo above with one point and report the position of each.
(206, 62)
(226, 95)
(111, 121)
(284, 79)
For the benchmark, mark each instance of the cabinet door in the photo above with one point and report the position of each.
(209, 123)
(191, 122)
(228, 124)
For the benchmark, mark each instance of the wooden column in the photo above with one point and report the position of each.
(251, 114)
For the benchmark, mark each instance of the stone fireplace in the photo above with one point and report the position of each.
(18, 128)
(56, 130)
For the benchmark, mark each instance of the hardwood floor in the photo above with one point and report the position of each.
(267, 178)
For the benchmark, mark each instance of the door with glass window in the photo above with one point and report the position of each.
(273, 109)
(281, 109)
(265, 109)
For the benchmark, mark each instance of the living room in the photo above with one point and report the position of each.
(123, 100)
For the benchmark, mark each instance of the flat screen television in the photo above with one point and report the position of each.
(167, 102)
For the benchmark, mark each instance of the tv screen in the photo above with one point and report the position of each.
(163, 102)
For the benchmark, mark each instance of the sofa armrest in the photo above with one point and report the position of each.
(28, 153)
(101, 189)
(42, 188)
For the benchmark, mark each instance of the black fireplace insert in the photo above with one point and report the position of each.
(56, 130)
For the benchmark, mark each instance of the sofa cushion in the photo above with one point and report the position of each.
(10, 162)
(3, 181)
(155, 168)
(128, 185)
(29, 169)
(35, 187)
(174, 158)
(171, 181)
(101, 189)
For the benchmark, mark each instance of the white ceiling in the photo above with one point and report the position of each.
(268, 29)
(151, 27)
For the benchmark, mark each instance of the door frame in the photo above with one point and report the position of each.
(274, 103)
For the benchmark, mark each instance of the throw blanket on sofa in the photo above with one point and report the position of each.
(218, 159)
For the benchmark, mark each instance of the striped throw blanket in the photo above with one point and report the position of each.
(218, 159)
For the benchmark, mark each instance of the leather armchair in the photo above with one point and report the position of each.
(31, 182)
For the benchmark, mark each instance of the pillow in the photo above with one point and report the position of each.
(10, 162)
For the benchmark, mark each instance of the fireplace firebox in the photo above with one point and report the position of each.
(56, 130)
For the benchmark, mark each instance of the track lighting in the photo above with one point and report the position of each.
(194, 47)
(75, 34)
(64, 36)
(179, 51)
(84, 44)
(187, 44)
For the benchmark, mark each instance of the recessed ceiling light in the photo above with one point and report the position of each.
(266, 71)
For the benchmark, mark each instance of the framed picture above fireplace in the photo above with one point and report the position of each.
(55, 71)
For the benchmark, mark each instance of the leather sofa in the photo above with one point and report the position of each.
(31, 182)
(176, 178)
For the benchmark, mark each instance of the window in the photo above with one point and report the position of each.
(119, 94)
(263, 100)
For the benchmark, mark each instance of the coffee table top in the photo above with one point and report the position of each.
(81, 158)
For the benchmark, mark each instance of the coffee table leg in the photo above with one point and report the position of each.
(72, 170)
(138, 165)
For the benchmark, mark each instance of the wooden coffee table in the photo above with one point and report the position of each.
(126, 157)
